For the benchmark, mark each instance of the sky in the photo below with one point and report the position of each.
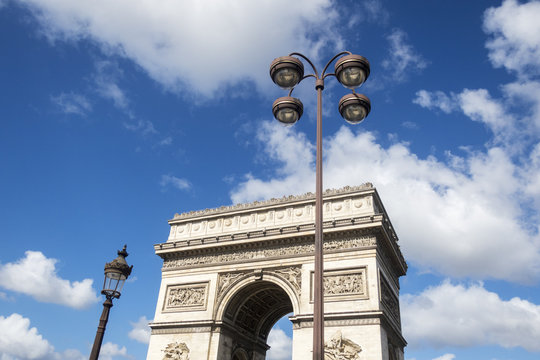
(115, 115)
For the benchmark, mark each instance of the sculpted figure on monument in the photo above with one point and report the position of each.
(176, 351)
(340, 348)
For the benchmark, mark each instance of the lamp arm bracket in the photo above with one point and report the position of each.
(305, 77)
(334, 58)
(326, 75)
(309, 61)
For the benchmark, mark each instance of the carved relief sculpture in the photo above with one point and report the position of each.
(176, 351)
(225, 281)
(186, 296)
(293, 276)
(340, 348)
(390, 300)
(347, 284)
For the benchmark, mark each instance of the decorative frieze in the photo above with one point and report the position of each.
(254, 254)
(343, 283)
(186, 297)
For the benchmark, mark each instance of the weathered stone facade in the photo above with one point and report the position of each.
(230, 273)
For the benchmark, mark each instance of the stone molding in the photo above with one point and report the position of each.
(334, 323)
(186, 297)
(178, 330)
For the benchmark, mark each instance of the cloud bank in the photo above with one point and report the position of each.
(191, 45)
(465, 316)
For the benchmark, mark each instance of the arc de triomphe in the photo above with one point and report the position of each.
(230, 273)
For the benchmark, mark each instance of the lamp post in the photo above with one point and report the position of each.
(116, 273)
(351, 71)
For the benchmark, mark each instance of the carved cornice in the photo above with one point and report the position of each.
(273, 201)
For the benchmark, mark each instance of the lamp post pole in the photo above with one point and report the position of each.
(116, 273)
(351, 71)
(107, 305)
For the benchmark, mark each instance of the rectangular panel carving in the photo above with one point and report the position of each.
(343, 284)
(186, 297)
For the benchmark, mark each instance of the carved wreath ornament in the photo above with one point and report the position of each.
(176, 351)
(340, 348)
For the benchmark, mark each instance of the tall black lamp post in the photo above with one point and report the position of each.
(116, 273)
(351, 71)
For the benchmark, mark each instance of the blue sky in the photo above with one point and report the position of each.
(114, 116)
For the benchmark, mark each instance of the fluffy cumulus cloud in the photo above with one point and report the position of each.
(36, 275)
(514, 33)
(140, 330)
(463, 316)
(425, 197)
(199, 46)
(280, 345)
(19, 341)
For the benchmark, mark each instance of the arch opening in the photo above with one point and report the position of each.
(250, 315)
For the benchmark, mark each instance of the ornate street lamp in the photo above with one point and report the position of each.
(116, 273)
(287, 72)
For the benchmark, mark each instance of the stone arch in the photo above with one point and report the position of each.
(250, 308)
(251, 278)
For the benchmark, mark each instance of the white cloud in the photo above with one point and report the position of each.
(195, 46)
(480, 106)
(72, 103)
(141, 330)
(402, 58)
(110, 350)
(464, 316)
(435, 100)
(280, 345)
(19, 341)
(446, 357)
(515, 35)
(181, 184)
(35, 275)
(452, 218)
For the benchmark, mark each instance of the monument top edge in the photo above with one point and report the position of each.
(274, 201)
